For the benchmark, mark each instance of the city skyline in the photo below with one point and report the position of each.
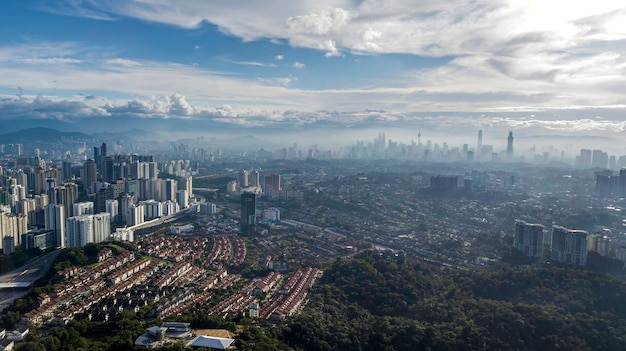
(548, 67)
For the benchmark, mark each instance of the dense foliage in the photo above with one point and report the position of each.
(374, 302)
(371, 303)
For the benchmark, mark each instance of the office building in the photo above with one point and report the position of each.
(569, 246)
(479, 145)
(248, 214)
(528, 239)
(38, 239)
(509, 146)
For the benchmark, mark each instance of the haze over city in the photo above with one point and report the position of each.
(539, 68)
(312, 175)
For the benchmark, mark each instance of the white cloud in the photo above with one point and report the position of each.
(123, 62)
(254, 63)
(299, 65)
(507, 42)
(196, 47)
(330, 47)
(320, 23)
(280, 57)
(277, 81)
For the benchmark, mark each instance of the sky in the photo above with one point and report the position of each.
(549, 65)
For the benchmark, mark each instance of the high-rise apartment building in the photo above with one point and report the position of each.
(569, 246)
(599, 159)
(89, 175)
(82, 208)
(243, 178)
(528, 239)
(272, 183)
(599, 243)
(112, 208)
(86, 229)
(135, 215)
(254, 178)
(54, 218)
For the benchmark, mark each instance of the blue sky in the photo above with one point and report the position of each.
(554, 64)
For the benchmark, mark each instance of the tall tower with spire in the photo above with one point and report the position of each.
(419, 137)
(479, 147)
(509, 146)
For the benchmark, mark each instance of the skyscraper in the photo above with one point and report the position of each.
(89, 175)
(479, 146)
(585, 158)
(509, 146)
(600, 159)
(528, 238)
(66, 170)
(248, 214)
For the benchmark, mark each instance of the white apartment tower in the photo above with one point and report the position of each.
(82, 208)
(54, 219)
(569, 246)
(112, 208)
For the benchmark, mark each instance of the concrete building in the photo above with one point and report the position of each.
(123, 234)
(182, 198)
(569, 246)
(82, 208)
(599, 243)
(135, 214)
(528, 239)
(112, 208)
(54, 218)
(248, 214)
(86, 229)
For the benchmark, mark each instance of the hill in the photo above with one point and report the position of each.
(371, 303)
(41, 134)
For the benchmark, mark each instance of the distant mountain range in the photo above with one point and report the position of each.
(41, 134)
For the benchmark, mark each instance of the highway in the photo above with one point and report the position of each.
(14, 284)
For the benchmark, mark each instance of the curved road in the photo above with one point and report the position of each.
(25, 275)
